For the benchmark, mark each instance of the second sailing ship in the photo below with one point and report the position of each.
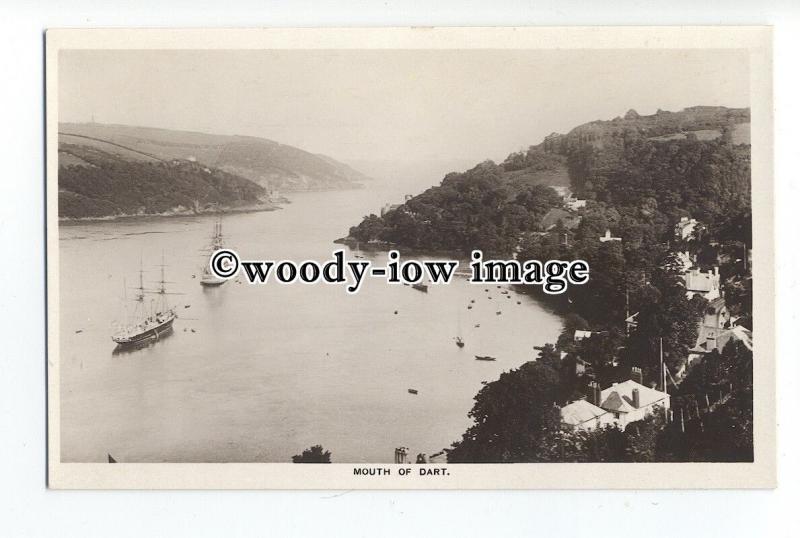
(207, 278)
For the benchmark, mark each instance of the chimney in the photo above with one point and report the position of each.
(636, 374)
(635, 397)
(594, 393)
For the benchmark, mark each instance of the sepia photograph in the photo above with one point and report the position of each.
(316, 159)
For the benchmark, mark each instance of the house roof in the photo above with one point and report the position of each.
(739, 333)
(717, 304)
(619, 397)
(580, 411)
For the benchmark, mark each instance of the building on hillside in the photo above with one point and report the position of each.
(585, 415)
(718, 341)
(630, 401)
(574, 204)
(580, 335)
(618, 405)
(685, 228)
(607, 237)
(715, 320)
(738, 334)
(705, 284)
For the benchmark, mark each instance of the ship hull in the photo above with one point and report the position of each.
(152, 333)
(212, 283)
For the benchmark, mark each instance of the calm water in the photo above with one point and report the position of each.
(258, 373)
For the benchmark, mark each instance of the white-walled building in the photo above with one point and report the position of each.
(618, 405)
(607, 237)
(705, 284)
(685, 228)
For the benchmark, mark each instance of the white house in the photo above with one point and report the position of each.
(630, 401)
(607, 237)
(706, 284)
(580, 335)
(619, 405)
(685, 228)
(585, 415)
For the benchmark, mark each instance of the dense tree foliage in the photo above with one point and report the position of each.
(510, 416)
(107, 185)
(639, 176)
(315, 454)
(474, 209)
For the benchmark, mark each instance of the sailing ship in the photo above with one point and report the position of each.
(207, 278)
(148, 322)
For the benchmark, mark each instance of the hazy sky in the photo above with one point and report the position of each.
(412, 105)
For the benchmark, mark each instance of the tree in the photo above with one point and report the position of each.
(315, 454)
(510, 416)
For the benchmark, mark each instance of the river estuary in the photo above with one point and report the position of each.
(258, 373)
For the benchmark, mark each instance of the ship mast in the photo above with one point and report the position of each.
(162, 290)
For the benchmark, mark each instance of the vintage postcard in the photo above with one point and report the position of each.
(433, 258)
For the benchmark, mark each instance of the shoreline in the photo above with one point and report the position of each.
(166, 215)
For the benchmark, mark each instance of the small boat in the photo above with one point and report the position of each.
(187, 305)
(395, 312)
(413, 391)
(519, 302)
(477, 325)
(459, 341)
(484, 358)
(472, 301)
(498, 312)
(193, 330)
(469, 307)
(420, 287)
(111, 459)
(79, 331)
